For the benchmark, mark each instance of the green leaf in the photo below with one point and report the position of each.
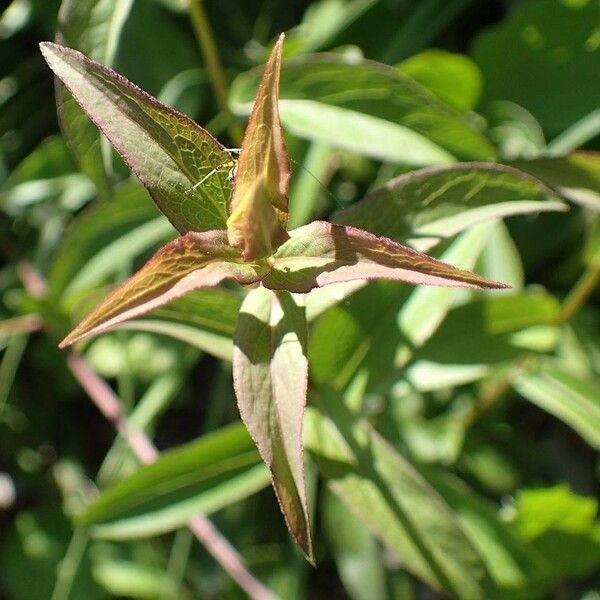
(577, 176)
(191, 262)
(259, 204)
(554, 40)
(204, 319)
(270, 374)
(103, 238)
(355, 551)
(356, 104)
(562, 526)
(214, 471)
(427, 206)
(179, 162)
(572, 399)
(454, 78)
(395, 502)
(93, 28)
(322, 253)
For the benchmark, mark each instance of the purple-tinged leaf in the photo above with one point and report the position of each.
(259, 204)
(191, 262)
(270, 372)
(322, 253)
(180, 163)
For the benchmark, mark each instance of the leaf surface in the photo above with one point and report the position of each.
(218, 469)
(92, 27)
(259, 203)
(334, 90)
(396, 503)
(570, 398)
(427, 206)
(322, 253)
(270, 373)
(191, 262)
(180, 163)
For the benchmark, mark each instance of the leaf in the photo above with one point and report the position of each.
(93, 28)
(427, 206)
(454, 78)
(572, 399)
(259, 204)
(214, 471)
(355, 551)
(270, 373)
(349, 103)
(322, 253)
(554, 40)
(576, 176)
(103, 238)
(178, 161)
(562, 527)
(204, 319)
(394, 501)
(191, 262)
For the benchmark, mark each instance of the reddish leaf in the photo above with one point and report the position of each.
(270, 372)
(259, 202)
(193, 261)
(321, 253)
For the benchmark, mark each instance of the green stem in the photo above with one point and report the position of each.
(578, 296)
(180, 553)
(216, 74)
(67, 569)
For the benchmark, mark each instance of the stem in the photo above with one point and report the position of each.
(67, 568)
(216, 74)
(180, 553)
(581, 291)
(206, 533)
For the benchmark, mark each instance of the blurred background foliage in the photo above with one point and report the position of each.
(476, 418)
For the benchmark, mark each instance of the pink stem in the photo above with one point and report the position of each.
(206, 533)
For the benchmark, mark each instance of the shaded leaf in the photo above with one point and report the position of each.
(259, 203)
(348, 102)
(214, 471)
(321, 253)
(178, 161)
(92, 27)
(427, 206)
(395, 502)
(270, 373)
(576, 176)
(572, 399)
(191, 262)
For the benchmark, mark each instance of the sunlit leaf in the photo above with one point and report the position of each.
(270, 373)
(179, 162)
(323, 253)
(217, 470)
(191, 262)
(425, 207)
(351, 103)
(259, 203)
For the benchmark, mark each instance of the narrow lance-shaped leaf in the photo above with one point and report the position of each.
(259, 204)
(92, 27)
(179, 162)
(270, 372)
(322, 253)
(191, 262)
